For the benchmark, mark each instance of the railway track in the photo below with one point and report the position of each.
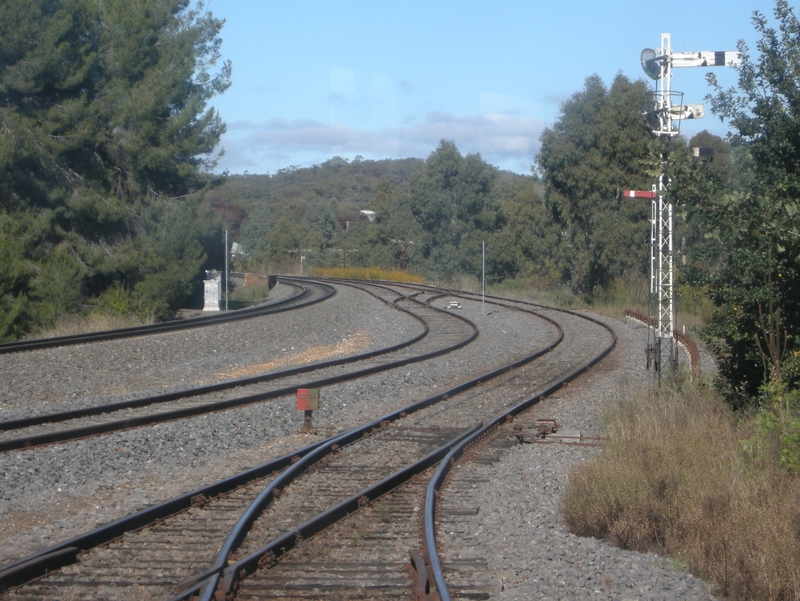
(442, 333)
(459, 563)
(463, 559)
(258, 578)
(316, 579)
(284, 550)
(305, 294)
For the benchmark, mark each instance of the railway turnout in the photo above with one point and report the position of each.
(354, 514)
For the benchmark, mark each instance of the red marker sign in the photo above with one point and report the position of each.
(308, 399)
(639, 193)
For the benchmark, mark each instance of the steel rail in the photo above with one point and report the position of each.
(169, 326)
(52, 558)
(61, 416)
(237, 571)
(64, 553)
(82, 432)
(447, 463)
(36, 563)
(209, 581)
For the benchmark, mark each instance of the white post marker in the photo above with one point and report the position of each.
(226, 269)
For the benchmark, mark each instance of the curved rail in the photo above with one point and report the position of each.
(293, 302)
(227, 576)
(193, 410)
(222, 573)
(233, 572)
(47, 559)
(75, 433)
(52, 558)
(446, 465)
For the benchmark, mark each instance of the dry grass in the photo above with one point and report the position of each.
(69, 325)
(353, 344)
(249, 294)
(526, 290)
(366, 273)
(674, 479)
(693, 308)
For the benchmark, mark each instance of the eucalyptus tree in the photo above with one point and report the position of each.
(452, 200)
(757, 323)
(597, 148)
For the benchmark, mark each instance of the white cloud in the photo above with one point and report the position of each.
(509, 141)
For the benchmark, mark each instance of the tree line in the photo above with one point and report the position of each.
(568, 225)
(108, 200)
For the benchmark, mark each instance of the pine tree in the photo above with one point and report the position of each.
(103, 121)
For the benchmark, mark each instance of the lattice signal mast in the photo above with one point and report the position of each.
(663, 113)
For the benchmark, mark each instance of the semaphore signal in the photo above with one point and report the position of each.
(662, 113)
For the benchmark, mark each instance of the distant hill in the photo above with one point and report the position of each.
(343, 186)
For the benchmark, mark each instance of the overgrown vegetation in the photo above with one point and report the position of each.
(367, 273)
(711, 477)
(684, 476)
(70, 324)
(756, 220)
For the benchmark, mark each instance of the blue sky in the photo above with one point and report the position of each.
(315, 79)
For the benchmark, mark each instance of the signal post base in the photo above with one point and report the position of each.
(308, 427)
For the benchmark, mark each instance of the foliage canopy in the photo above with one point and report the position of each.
(757, 289)
(597, 148)
(105, 135)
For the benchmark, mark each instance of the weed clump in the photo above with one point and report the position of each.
(683, 476)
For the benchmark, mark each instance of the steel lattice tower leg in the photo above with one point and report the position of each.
(666, 308)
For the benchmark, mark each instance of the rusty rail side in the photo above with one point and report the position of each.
(226, 576)
(684, 339)
(27, 568)
(52, 558)
(224, 581)
(447, 463)
(6, 426)
(76, 433)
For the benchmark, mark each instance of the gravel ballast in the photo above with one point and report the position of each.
(51, 494)
(73, 377)
(530, 548)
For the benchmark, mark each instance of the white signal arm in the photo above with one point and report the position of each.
(705, 58)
